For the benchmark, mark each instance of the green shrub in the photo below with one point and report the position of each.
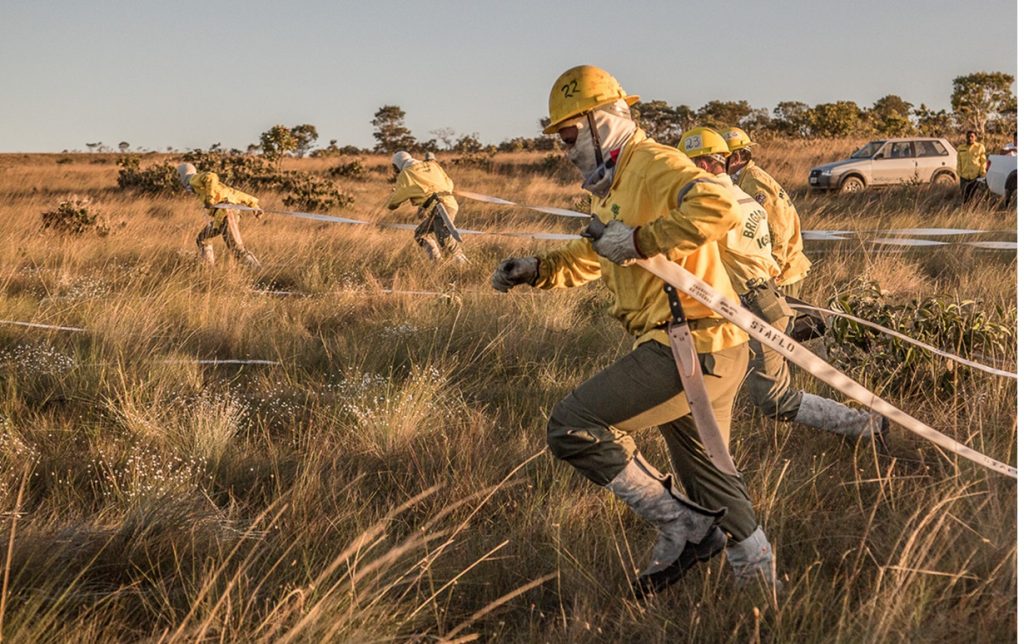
(250, 173)
(160, 178)
(960, 327)
(75, 216)
(352, 170)
(311, 192)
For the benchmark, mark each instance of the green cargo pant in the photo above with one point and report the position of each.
(590, 428)
(433, 236)
(792, 290)
(768, 383)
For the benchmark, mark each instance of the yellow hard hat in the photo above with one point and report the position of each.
(579, 90)
(736, 138)
(702, 141)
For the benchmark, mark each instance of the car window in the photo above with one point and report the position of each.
(898, 150)
(868, 150)
(929, 149)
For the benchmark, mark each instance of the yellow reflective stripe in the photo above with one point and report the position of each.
(687, 188)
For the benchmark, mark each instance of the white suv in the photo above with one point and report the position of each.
(889, 162)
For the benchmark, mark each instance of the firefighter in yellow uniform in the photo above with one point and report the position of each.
(427, 186)
(208, 187)
(783, 221)
(653, 200)
(970, 165)
(747, 255)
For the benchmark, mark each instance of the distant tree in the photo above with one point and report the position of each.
(252, 148)
(835, 120)
(305, 135)
(468, 143)
(390, 130)
(123, 146)
(890, 115)
(984, 97)
(722, 114)
(792, 118)
(757, 121)
(94, 147)
(932, 123)
(276, 142)
(663, 122)
(445, 135)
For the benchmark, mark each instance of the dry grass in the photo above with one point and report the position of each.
(387, 479)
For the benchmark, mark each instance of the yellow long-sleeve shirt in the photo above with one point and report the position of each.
(678, 210)
(783, 222)
(747, 248)
(419, 181)
(970, 160)
(208, 187)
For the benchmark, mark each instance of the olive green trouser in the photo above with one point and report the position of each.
(433, 236)
(228, 228)
(792, 290)
(590, 428)
(768, 382)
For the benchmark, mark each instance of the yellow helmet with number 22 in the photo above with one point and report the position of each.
(579, 90)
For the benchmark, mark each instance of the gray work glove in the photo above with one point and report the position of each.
(514, 271)
(616, 244)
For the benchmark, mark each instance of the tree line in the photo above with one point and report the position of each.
(982, 101)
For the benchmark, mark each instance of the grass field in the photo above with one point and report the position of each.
(388, 479)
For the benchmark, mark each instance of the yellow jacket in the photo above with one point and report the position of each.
(209, 188)
(747, 248)
(970, 160)
(679, 210)
(419, 181)
(783, 222)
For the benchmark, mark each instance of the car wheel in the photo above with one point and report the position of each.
(1010, 200)
(944, 181)
(851, 184)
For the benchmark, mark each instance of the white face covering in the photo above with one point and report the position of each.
(614, 127)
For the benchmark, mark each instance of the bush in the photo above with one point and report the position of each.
(310, 192)
(959, 327)
(352, 170)
(75, 216)
(156, 179)
(249, 173)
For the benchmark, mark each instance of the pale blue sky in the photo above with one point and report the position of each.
(188, 74)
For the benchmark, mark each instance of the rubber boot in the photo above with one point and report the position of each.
(206, 255)
(752, 561)
(457, 255)
(429, 245)
(249, 261)
(687, 532)
(831, 416)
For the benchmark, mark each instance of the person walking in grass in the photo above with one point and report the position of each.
(426, 185)
(747, 255)
(783, 220)
(652, 200)
(970, 165)
(224, 222)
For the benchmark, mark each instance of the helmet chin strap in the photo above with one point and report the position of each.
(593, 137)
